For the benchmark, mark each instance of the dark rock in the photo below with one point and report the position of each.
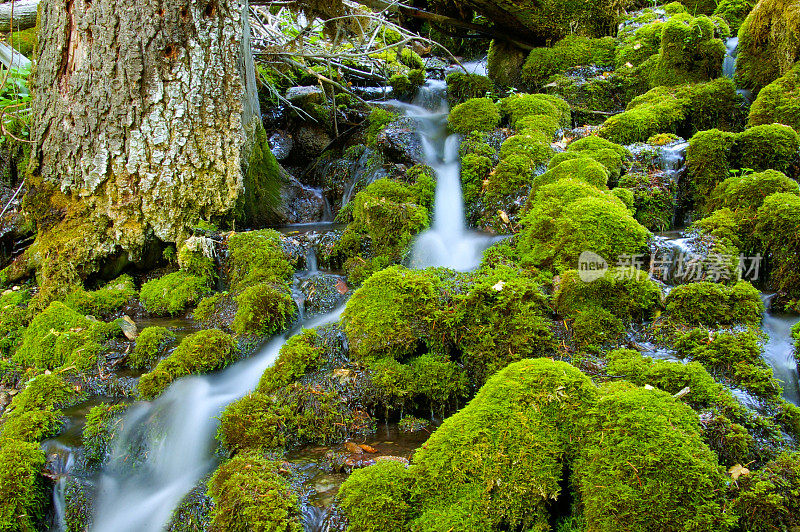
(281, 143)
(311, 141)
(299, 203)
(400, 142)
(302, 96)
(322, 293)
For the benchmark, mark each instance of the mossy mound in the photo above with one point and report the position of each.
(682, 110)
(173, 293)
(257, 257)
(713, 154)
(22, 492)
(582, 168)
(263, 309)
(778, 102)
(198, 353)
(462, 87)
(60, 336)
(500, 319)
(690, 52)
(300, 354)
(570, 52)
(519, 106)
(569, 217)
(101, 425)
(652, 199)
(387, 508)
(769, 499)
(644, 466)
(776, 228)
(734, 12)
(392, 313)
(249, 494)
(612, 156)
(151, 345)
(472, 475)
(769, 43)
(476, 114)
(13, 319)
(626, 292)
(104, 301)
(712, 304)
(35, 413)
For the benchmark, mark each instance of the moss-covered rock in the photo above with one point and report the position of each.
(101, 425)
(776, 228)
(35, 413)
(652, 199)
(476, 114)
(300, 354)
(249, 494)
(13, 319)
(712, 304)
(582, 168)
(263, 309)
(151, 345)
(644, 466)
(734, 12)
(105, 300)
(173, 293)
(22, 493)
(387, 508)
(253, 422)
(518, 106)
(627, 293)
(612, 156)
(690, 52)
(572, 51)
(769, 43)
(769, 499)
(778, 102)
(60, 336)
(462, 87)
(198, 353)
(257, 257)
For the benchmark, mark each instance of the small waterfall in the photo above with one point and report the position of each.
(60, 460)
(167, 446)
(311, 261)
(448, 243)
(729, 63)
(779, 351)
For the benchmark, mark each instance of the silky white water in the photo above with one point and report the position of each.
(166, 446)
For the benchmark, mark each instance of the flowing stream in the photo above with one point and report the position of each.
(779, 351)
(166, 446)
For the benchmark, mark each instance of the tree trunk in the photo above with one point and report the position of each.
(145, 113)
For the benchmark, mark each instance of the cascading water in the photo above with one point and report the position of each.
(166, 446)
(729, 63)
(779, 351)
(448, 243)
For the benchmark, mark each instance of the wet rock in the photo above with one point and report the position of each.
(129, 328)
(400, 142)
(299, 203)
(302, 96)
(281, 144)
(311, 141)
(322, 293)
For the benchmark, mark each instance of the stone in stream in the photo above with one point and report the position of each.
(129, 328)
(401, 142)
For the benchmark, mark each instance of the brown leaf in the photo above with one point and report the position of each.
(353, 448)
(367, 448)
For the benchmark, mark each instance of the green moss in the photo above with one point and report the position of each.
(708, 163)
(173, 293)
(570, 52)
(769, 43)
(547, 125)
(35, 413)
(733, 356)
(768, 499)
(568, 217)
(253, 422)
(734, 12)
(668, 376)
(610, 155)
(476, 114)
(519, 106)
(401, 86)
(263, 309)
(257, 257)
(712, 304)
(300, 354)
(378, 119)
(627, 294)
(151, 345)
(583, 169)
(776, 228)
(198, 353)
(689, 53)
(101, 423)
(499, 320)
(22, 493)
(13, 319)
(262, 182)
(765, 147)
(595, 328)
(104, 301)
(391, 313)
(504, 62)
(250, 495)
(462, 87)
(639, 45)
(652, 201)
(375, 499)
(778, 102)
(644, 466)
(59, 336)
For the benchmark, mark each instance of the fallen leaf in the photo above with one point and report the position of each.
(367, 448)
(737, 471)
(353, 447)
(499, 286)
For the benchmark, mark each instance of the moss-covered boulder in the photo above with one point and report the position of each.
(105, 300)
(250, 494)
(734, 12)
(198, 353)
(476, 114)
(627, 293)
(778, 102)
(60, 336)
(174, 293)
(769, 498)
(612, 156)
(769, 43)
(376, 498)
(151, 345)
(644, 466)
(102, 422)
(712, 304)
(570, 52)
(462, 86)
(13, 319)
(22, 492)
(35, 413)
(690, 52)
(776, 228)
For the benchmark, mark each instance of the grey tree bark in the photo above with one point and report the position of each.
(145, 112)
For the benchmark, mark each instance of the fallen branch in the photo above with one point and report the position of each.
(22, 12)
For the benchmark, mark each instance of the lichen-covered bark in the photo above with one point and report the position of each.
(144, 111)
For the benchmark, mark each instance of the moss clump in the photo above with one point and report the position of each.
(388, 507)
(668, 376)
(652, 200)
(511, 437)
(22, 494)
(713, 304)
(378, 119)
(476, 114)
(392, 313)
(101, 422)
(733, 356)
(568, 217)
(734, 12)
(690, 53)
(644, 466)
(60, 336)
(708, 162)
(769, 43)
(198, 353)
(173, 293)
(772, 146)
(151, 345)
(595, 328)
(778, 102)
(610, 155)
(462, 87)
(253, 422)
(519, 106)
(776, 228)
(583, 169)
(681, 110)
(628, 294)
(13, 319)
(104, 301)
(35, 413)
(263, 309)
(300, 354)
(250, 495)
(768, 499)
(571, 51)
